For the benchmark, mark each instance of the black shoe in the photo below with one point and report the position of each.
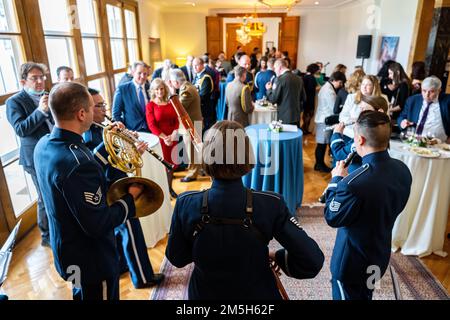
(202, 173)
(173, 194)
(322, 168)
(188, 179)
(46, 243)
(323, 198)
(155, 280)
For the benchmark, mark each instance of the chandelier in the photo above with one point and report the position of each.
(287, 4)
(250, 29)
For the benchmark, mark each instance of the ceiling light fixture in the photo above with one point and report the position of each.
(288, 4)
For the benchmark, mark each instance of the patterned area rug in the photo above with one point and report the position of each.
(414, 279)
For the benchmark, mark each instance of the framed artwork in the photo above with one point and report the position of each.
(388, 50)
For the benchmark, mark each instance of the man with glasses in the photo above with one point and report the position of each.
(29, 115)
(130, 239)
(131, 98)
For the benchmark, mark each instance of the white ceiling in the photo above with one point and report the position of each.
(241, 4)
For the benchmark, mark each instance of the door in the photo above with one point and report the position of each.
(214, 42)
(232, 42)
(290, 30)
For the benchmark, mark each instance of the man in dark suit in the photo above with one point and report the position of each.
(205, 86)
(288, 93)
(188, 69)
(28, 113)
(429, 112)
(131, 99)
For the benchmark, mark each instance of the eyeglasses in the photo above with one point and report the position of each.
(36, 78)
(101, 105)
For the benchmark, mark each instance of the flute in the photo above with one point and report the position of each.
(131, 136)
(335, 125)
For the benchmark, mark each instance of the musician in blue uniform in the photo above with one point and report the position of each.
(364, 206)
(225, 230)
(74, 187)
(129, 236)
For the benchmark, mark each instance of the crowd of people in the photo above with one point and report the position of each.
(62, 149)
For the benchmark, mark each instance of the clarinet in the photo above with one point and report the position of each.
(347, 162)
(126, 132)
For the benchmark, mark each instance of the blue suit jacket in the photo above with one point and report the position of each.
(126, 108)
(411, 111)
(28, 123)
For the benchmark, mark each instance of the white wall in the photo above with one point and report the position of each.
(184, 33)
(272, 26)
(150, 26)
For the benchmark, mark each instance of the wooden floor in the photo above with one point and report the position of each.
(33, 276)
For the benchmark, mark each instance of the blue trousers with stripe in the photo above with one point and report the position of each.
(131, 243)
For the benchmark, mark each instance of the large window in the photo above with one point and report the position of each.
(116, 36)
(132, 36)
(11, 48)
(91, 36)
(59, 41)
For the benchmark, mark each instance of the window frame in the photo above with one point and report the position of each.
(32, 37)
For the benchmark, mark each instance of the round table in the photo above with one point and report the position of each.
(421, 228)
(156, 225)
(262, 115)
(279, 164)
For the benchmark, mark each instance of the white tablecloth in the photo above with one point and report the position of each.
(262, 115)
(421, 228)
(156, 225)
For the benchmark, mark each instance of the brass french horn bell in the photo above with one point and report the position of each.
(148, 201)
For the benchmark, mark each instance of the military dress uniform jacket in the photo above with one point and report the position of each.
(239, 100)
(364, 206)
(289, 94)
(231, 262)
(81, 223)
(190, 99)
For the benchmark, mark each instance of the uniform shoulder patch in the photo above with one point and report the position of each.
(334, 206)
(92, 198)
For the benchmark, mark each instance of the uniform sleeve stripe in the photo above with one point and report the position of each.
(332, 185)
(101, 158)
(336, 141)
(126, 209)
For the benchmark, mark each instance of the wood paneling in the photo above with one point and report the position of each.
(232, 42)
(422, 28)
(290, 30)
(214, 35)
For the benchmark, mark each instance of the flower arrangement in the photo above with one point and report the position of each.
(276, 126)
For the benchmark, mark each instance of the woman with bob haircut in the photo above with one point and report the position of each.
(225, 231)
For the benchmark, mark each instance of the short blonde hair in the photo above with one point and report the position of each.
(156, 83)
(222, 160)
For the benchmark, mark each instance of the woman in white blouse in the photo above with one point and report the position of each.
(370, 86)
